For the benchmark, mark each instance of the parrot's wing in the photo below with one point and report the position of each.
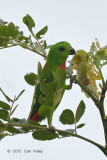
(47, 76)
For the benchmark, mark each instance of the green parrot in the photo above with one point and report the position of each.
(51, 86)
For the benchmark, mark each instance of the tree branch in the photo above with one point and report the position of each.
(102, 148)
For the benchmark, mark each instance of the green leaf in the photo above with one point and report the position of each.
(15, 34)
(12, 130)
(70, 130)
(57, 96)
(4, 105)
(26, 39)
(1, 41)
(44, 135)
(15, 120)
(20, 36)
(4, 114)
(5, 40)
(20, 33)
(17, 27)
(100, 56)
(14, 109)
(40, 71)
(47, 76)
(7, 98)
(41, 32)
(52, 94)
(1, 122)
(97, 61)
(5, 31)
(63, 134)
(39, 68)
(25, 129)
(38, 47)
(80, 125)
(45, 45)
(80, 111)
(2, 23)
(67, 117)
(22, 121)
(30, 40)
(31, 78)
(66, 134)
(29, 21)
(48, 88)
(1, 127)
(11, 28)
(3, 135)
(20, 94)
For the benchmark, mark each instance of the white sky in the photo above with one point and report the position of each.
(75, 21)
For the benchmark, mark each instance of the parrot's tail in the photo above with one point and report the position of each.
(35, 117)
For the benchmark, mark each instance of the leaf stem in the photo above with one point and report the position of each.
(7, 98)
(23, 45)
(11, 111)
(31, 48)
(103, 82)
(75, 127)
(9, 46)
(38, 42)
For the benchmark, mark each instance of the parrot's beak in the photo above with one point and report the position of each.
(72, 51)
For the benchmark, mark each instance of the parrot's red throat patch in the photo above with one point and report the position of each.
(63, 66)
(35, 117)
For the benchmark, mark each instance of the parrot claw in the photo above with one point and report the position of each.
(72, 79)
(52, 129)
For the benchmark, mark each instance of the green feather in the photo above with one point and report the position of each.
(56, 57)
(51, 87)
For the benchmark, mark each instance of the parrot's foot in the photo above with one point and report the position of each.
(72, 79)
(52, 129)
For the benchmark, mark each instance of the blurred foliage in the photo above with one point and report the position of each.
(10, 35)
(88, 66)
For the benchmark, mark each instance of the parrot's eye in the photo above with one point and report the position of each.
(61, 48)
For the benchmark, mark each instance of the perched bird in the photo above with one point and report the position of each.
(49, 91)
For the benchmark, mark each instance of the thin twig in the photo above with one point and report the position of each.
(38, 42)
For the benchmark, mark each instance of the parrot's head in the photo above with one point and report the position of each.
(59, 53)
